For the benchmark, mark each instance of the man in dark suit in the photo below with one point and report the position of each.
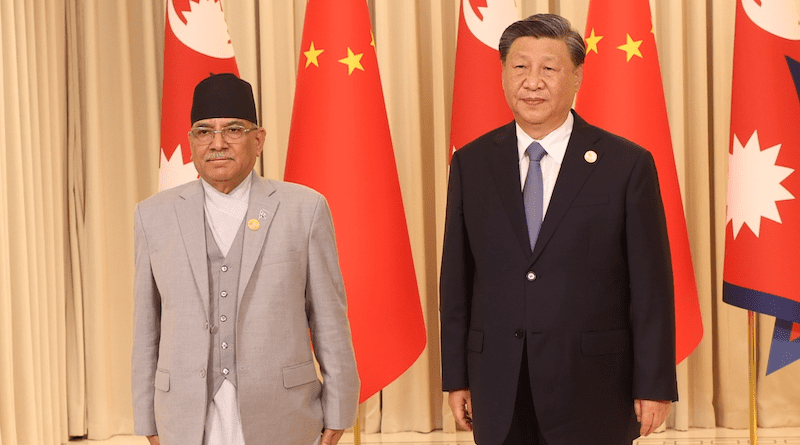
(556, 286)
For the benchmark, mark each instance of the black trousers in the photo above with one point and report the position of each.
(524, 426)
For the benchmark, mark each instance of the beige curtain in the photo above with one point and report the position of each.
(34, 271)
(79, 128)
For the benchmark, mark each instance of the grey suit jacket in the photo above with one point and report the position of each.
(290, 284)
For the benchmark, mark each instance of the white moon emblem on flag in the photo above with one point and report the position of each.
(497, 15)
(777, 17)
(205, 30)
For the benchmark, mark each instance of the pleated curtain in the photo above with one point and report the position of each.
(80, 88)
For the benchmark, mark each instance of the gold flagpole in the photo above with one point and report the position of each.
(751, 321)
(357, 428)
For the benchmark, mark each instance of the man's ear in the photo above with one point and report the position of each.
(578, 77)
(261, 136)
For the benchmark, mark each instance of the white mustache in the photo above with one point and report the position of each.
(218, 155)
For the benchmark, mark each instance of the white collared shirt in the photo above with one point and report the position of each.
(225, 212)
(555, 146)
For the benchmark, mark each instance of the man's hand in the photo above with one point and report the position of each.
(331, 437)
(461, 404)
(651, 414)
(153, 440)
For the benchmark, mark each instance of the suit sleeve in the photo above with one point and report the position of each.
(652, 292)
(326, 307)
(455, 286)
(146, 334)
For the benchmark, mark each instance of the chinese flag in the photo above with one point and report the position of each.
(622, 93)
(196, 44)
(479, 104)
(340, 145)
(762, 235)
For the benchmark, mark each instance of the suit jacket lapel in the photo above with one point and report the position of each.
(262, 208)
(573, 174)
(504, 162)
(191, 219)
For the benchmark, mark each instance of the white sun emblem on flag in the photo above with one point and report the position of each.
(754, 184)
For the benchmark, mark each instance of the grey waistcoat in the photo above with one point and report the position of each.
(223, 281)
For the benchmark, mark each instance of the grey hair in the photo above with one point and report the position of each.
(548, 26)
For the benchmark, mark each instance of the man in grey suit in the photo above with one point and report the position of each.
(233, 272)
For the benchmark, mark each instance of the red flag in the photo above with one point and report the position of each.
(340, 145)
(479, 104)
(196, 44)
(622, 93)
(763, 238)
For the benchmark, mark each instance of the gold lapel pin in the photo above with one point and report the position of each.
(590, 156)
(253, 224)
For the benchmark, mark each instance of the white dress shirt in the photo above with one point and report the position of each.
(555, 146)
(225, 213)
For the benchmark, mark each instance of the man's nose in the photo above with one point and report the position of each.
(533, 80)
(217, 141)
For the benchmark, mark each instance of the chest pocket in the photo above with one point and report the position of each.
(590, 199)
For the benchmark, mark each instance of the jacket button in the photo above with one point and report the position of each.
(519, 333)
(530, 276)
(202, 373)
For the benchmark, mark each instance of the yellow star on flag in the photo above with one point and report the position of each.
(312, 54)
(591, 42)
(373, 39)
(631, 48)
(352, 61)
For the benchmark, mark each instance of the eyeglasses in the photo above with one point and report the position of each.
(204, 135)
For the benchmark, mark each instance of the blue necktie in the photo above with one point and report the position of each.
(533, 193)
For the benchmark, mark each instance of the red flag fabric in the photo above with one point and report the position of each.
(762, 238)
(479, 104)
(340, 145)
(622, 92)
(196, 44)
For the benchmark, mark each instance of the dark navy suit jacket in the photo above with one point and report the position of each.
(594, 300)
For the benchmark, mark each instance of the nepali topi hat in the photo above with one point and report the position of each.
(223, 95)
